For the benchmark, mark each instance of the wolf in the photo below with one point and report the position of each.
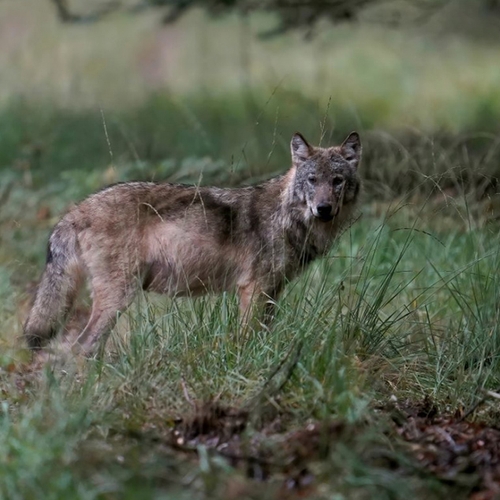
(183, 240)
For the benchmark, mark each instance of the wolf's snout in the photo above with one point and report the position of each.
(324, 211)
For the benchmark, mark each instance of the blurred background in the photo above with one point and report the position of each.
(233, 79)
(210, 91)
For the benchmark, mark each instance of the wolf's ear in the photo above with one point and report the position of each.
(300, 148)
(351, 149)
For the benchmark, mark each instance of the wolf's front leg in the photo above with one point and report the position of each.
(256, 305)
(248, 295)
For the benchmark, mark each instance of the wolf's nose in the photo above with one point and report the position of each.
(324, 210)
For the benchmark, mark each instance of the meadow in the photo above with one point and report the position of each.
(380, 375)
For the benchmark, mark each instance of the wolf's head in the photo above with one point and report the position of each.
(326, 179)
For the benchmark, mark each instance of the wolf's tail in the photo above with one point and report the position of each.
(57, 289)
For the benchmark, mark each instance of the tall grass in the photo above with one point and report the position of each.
(404, 307)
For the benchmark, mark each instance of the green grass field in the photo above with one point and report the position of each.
(380, 376)
(403, 310)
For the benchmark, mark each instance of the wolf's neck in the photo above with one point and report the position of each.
(304, 236)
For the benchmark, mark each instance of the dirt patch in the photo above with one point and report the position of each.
(455, 450)
(263, 452)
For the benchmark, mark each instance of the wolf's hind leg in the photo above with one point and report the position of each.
(108, 301)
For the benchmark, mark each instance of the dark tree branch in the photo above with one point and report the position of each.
(293, 14)
(66, 16)
(63, 11)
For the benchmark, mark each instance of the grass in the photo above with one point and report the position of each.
(404, 308)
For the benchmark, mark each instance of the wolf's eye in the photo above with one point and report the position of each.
(337, 181)
(312, 179)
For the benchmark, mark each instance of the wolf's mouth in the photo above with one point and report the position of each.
(324, 218)
(327, 217)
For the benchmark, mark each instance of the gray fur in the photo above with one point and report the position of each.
(188, 240)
